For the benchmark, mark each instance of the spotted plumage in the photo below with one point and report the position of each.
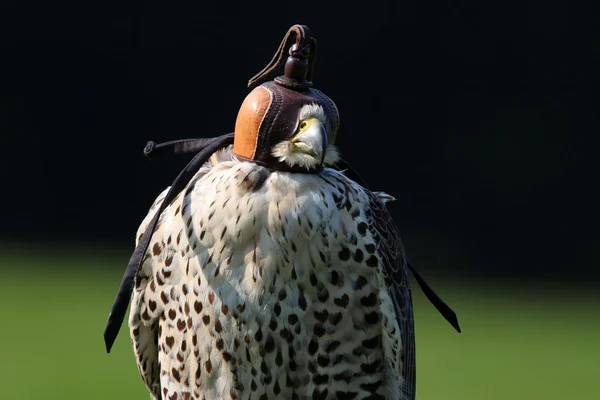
(262, 284)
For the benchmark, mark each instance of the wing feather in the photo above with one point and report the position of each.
(143, 322)
(143, 328)
(395, 277)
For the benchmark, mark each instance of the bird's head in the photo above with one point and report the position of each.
(286, 124)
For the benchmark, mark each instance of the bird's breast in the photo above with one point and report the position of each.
(274, 285)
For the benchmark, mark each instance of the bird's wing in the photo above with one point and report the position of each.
(396, 303)
(143, 324)
(155, 282)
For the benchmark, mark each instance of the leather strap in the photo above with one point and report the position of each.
(204, 148)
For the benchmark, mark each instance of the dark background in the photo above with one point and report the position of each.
(480, 117)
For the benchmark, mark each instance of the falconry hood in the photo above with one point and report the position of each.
(270, 113)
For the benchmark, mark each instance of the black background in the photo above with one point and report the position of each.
(480, 117)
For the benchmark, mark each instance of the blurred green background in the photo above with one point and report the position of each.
(518, 342)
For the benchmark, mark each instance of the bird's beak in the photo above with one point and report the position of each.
(312, 140)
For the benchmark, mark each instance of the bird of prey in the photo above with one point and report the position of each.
(269, 270)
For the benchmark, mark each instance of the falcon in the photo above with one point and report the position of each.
(268, 269)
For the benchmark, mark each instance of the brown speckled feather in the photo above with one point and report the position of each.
(395, 273)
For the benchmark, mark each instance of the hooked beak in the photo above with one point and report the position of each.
(312, 140)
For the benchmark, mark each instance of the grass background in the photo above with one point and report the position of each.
(518, 342)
